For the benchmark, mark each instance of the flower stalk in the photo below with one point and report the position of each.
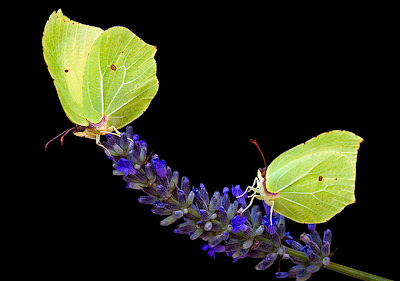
(218, 220)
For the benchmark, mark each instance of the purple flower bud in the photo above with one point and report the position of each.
(159, 165)
(185, 185)
(174, 180)
(162, 191)
(225, 200)
(325, 249)
(168, 220)
(232, 248)
(135, 138)
(143, 151)
(295, 269)
(129, 132)
(111, 139)
(123, 141)
(314, 247)
(214, 202)
(256, 216)
(328, 236)
(315, 237)
(312, 257)
(204, 194)
(295, 245)
(281, 275)
(313, 268)
(267, 262)
(135, 185)
(275, 239)
(247, 231)
(196, 192)
(215, 240)
(149, 171)
(201, 204)
(223, 216)
(118, 149)
(303, 274)
(186, 228)
(204, 215)
(232, 209)
(147, 200)
(161, 211)
(182, 197)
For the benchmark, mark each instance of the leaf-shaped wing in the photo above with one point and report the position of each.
(120, 77)
(313, 188)
(66, 45)
(343, 142)
(315, 180)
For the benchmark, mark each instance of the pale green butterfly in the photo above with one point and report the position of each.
(313, 181)
(104, 79)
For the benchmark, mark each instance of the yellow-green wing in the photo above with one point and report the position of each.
(66, 45)
(120, 77)
(315, 180)
(343, 142)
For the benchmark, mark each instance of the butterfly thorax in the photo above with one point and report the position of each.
(94, 129)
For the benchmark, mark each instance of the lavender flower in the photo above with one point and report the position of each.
(124, 166)
(212, 250)
(238, 223)
(217, 219)
(236, 192)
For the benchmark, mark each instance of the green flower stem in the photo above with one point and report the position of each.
(341, 268)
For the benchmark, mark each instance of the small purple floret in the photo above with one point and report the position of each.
(238, 223)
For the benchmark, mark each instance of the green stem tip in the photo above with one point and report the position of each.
(355, 273)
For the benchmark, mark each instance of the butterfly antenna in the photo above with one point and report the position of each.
(259, 149)
(62, 135)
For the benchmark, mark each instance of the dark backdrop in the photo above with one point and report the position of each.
(227, 73)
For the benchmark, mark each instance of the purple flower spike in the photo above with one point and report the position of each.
(238, 223)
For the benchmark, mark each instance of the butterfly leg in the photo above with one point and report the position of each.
(102, 146)
(271, 212)
(249, 188)
(256, 192)
(112, 129)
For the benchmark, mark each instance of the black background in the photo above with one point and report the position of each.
(227, 73)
